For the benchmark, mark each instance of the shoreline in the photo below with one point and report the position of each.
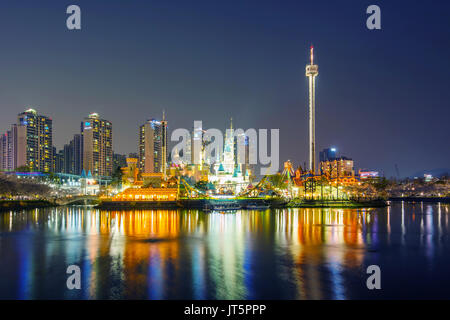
(6, 205)
(340, 204)
(421, 199)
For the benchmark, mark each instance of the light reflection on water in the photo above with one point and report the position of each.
(187, 254)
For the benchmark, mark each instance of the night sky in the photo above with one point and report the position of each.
(383, 96)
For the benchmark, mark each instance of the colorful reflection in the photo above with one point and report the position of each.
(188, 254)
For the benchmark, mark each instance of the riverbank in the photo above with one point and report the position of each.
(378, 203)
(422, 199)
(6, 205)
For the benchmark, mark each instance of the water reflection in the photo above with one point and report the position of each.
(177, 254)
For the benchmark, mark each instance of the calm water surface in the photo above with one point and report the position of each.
(187, 254)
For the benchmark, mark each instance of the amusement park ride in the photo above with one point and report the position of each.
(289, 178)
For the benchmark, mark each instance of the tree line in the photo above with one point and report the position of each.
(11, 186)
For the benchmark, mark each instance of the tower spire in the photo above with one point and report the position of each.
(312, 54)
(231, 123)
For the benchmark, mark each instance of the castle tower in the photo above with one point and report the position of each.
(228, 152)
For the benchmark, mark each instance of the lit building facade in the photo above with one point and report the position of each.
(3, 152)
(340, 167)
(96, 145)
(12, 148)
(368, 174)
(8, 149)
(34, 141)
(147, 194)
(197, 148)
(153, 146)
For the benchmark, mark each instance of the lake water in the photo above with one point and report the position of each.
(188, 254)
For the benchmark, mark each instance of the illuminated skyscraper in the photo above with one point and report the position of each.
(34, 141)
(3, 152)
(312, 71)
(197, 146)
(153, 146)
(97, 146)
(8, 149)
(164, 144)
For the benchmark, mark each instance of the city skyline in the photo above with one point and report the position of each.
(191, 151)
(370, 95)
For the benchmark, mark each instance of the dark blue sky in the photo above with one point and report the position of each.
(383, 96)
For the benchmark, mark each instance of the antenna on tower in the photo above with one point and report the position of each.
(312, 54)
(164, 115)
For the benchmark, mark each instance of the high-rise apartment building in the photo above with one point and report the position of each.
(11, 163)
(153, 146)
(77, 154)
(97, 145)
(3, 152)
(59, 161)
(8, 148)
(33, 141)
(197, 146)
(72, 156)
(339, 167)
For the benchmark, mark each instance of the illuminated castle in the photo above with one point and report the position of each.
(228, 174)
